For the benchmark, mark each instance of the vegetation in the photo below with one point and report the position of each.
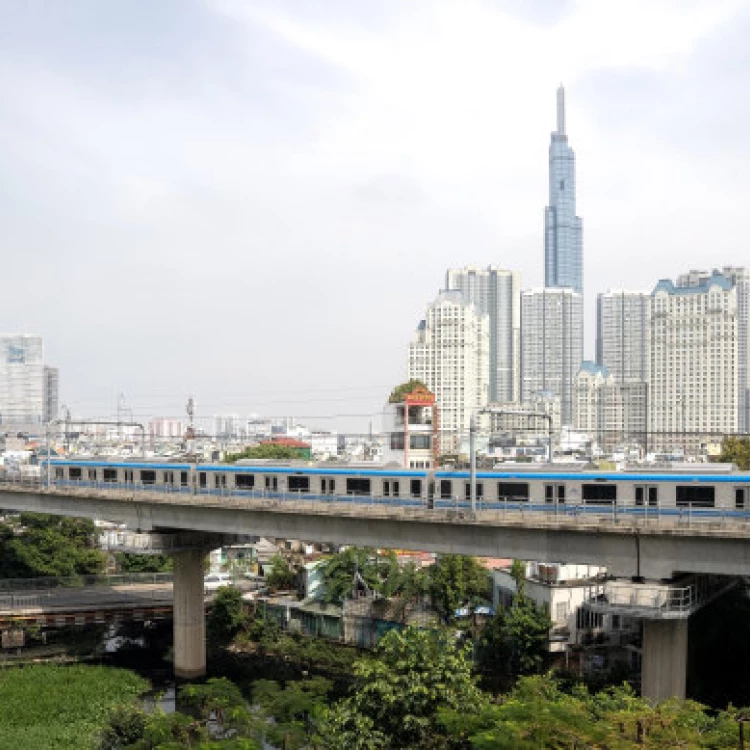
(42, 545)
(736, 450)
(457, 581)
(399, 392)
(227, 616)
(51, 707)
(269, 450)
(132, 563)
(283, 574)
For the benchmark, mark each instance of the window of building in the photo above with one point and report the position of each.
(418, 442)
(397, 441)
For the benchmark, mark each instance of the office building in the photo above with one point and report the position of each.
(496, 293)
(22, 382)
(563, 230)
(551, 345)
(694, 361)
(450, 355)
(622, 334)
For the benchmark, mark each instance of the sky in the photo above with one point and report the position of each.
(253, 201)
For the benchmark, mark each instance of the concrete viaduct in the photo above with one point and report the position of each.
(641, 548)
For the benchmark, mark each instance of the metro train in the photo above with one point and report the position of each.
(707, 493)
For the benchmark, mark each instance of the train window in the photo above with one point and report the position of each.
(513, 490)
(599, 493)
(272, 483)
(386, 488)
(395, 489)
(244, 481)
(416, 488)
(357, 486)
(419, 442)
(202, 479)
(739, 498)
(92, 475)
(446, 489)
(692, 496)
(653, 496)
(148, 476)
(298, 484)
(480, 490)
(109, 475)
(74, 473)
(549, 493)
(184, 478)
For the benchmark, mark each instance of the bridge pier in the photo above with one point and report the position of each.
(664, 659)
(189, 614)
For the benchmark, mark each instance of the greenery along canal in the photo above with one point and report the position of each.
(55, 707)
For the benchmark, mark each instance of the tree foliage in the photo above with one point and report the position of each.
(44, 545)
(412, 675)
(400, 391)
(227, 615)
(269, 450)
(128, 562)
(283, 574)
(457, 581)
(736, 450)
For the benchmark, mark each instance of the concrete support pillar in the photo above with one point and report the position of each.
(189, 615)
(664, 659)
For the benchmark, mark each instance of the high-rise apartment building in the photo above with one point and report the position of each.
(496, 292)
(551, 345)
(22, 391)
(563, 230)
(450, 355)
(622, 334)
(611, 412)
(694, 360)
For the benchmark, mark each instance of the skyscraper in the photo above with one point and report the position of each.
(496, 293)
(22, 382)
(563, 232)
(551, 345)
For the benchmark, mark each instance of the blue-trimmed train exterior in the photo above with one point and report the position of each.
(710, 493)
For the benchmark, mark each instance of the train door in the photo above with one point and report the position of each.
(554, 493)
(740, 498)
(647, 494)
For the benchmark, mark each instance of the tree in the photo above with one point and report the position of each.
(269, 450)
(412, 675)
(736, 450)
(347, 571)
(128, 562)
(227, 616)
(283, 575)
(457, 581)
(125, 726)
(399, 392)
(44, 545)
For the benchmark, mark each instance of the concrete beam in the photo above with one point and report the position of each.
(626, 549)
(664, 659)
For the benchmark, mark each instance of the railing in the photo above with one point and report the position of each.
(655, 600)
(84, 581)
(506, 511)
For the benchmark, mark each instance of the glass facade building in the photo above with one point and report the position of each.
(563, 230)
(22, 382)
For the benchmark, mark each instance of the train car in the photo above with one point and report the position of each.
(708, 491)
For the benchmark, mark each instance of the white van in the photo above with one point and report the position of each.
(215, 581)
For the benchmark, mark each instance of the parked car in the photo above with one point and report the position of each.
(215, 581)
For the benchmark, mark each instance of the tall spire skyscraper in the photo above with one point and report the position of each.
(563, 231)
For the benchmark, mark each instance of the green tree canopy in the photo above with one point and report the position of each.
(227, 615)
(400, 391)
(457, 581)
(736, 450)
(44, 545)
(270, 451)
(283, 574)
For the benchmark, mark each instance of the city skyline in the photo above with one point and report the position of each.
(193, 182)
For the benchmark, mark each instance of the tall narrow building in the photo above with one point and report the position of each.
(496, 292)
(551, 345)
(563, 231)
(622, 334)
(450, 355)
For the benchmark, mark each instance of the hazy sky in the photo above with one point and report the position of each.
(253, 201)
